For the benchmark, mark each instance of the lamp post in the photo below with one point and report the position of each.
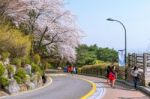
(110, 19)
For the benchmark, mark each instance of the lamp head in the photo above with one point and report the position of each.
(110, 19)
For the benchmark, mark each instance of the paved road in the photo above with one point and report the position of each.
(64, 87)
(120, 91)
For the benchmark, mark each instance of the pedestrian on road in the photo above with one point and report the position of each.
(135, 73)
(107, 75)
(112, 76)
(74, 70)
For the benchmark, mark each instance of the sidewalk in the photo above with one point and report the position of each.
(121, 91)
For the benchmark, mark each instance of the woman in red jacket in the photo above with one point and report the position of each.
(112, 76)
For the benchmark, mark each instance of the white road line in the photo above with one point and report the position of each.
(100, 92)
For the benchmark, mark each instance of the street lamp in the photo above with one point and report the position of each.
(110, 19)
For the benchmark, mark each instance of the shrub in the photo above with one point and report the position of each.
(37, 58)
(5, 55)
(13, 41)
(100, 70)
(17, 61)
(18, 79)
(20, 76)
(36, 68)
(120, 72)
(94, 70)
(46, 65)
(27, 60)
(4, 81)
(2, 70)
(10, 69)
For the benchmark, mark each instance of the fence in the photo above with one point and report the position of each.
(142, 61)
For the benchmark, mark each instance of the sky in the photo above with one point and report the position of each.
(134, 14)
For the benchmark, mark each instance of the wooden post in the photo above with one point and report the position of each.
(145, 69)
(134, 56)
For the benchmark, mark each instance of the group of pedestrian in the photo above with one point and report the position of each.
(111, 75)
(72, 69)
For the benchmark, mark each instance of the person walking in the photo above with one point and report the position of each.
(135, 73)
(107, 75)
(112, 76)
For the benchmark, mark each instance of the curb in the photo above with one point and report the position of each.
(92, 91)
(29, 91)
(57, 74)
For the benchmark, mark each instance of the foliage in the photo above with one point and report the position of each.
(56, 31)
(18, 79)
(4, 81)
(26, 60)
(13, 41)
(20, 76)
(100, 70)
(37, 58)
(10, 69)
(85, 56)
(2, 70)
(46, 64)
(17, 62)
(88, 55)
(94, 69)
(5, 55)
(36, 68)
(107, 54)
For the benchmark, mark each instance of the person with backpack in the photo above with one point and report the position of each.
(135, 73)
(112, 76)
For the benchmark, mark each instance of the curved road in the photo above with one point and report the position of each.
(62, 87)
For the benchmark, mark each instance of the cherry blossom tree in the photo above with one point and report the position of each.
(52, 26)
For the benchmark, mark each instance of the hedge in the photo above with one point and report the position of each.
(100, 71)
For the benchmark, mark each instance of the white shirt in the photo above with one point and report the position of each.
(135, 73)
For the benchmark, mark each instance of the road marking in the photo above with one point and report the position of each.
(93, 90)
(29, 91)
(100, 92)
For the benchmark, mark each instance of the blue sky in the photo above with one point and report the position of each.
(92, 14)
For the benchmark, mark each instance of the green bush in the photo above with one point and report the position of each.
(100, 70)
(4, 81)
(13, 41)
(37, 58)
(17, 62)
(20, 75)
(2, 70)
(10, 69)
(27, 60)
(5, 55)
(46, 65)
(36, 68)
(18, 79)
